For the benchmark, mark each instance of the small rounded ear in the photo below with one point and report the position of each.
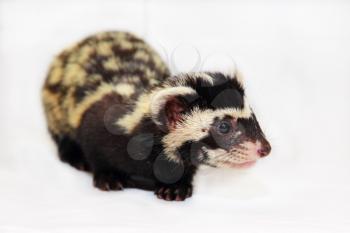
(168, 105)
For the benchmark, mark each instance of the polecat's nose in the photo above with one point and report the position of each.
(264, 150)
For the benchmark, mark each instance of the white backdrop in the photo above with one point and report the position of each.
(296, 60)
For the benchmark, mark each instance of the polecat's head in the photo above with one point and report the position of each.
(206, 116)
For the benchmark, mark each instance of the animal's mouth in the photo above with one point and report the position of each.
(243, 165)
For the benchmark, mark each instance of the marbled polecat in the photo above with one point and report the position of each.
(114, 110)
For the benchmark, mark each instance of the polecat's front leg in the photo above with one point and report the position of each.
(174, 192)
(109, 180)
(174, 179)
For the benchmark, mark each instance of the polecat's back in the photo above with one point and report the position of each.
(107, 62)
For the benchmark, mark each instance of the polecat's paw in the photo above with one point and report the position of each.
(174, 192)
(107, 181)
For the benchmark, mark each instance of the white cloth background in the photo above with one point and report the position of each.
(295, 56)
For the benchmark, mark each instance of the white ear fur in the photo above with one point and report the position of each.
(239, 77)
(234, 72)
(160, 98)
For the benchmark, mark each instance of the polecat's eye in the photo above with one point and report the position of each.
(224, 127)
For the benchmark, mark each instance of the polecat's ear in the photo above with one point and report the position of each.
(168, 105)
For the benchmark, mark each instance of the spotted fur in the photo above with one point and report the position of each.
(109, 62)
(114, 110)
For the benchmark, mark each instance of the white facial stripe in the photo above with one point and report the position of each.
(222, 158)
(195, 125)
(191, 128)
